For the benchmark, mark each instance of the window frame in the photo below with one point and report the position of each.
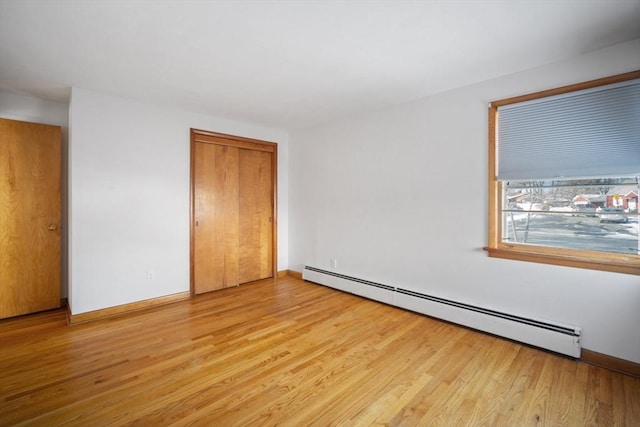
(594, 260)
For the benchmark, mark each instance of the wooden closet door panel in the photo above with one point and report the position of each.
(216, 217)
(256, 210)
(30, 160)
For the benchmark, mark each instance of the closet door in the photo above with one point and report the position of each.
(233, 211)
(216, 236)
(256, 208)
(30, 159)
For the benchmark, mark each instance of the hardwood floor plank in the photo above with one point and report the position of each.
(287, 352)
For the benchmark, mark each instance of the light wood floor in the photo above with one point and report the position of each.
(292, 353)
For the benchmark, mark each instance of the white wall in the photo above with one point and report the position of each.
(129, 197)
(400, 197)
(29, 109)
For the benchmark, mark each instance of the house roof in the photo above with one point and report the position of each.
(624, 191)
(588, 198)
(291, 64)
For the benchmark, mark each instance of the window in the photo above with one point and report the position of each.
(565, 176)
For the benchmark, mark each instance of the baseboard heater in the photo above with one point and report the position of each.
(557, 337)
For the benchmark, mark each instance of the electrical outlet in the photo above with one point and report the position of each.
(333, 262)
(149, 275)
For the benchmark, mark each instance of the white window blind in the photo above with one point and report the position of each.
(590, 133)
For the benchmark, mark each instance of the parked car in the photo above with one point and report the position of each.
(585, 209)
(613, 215)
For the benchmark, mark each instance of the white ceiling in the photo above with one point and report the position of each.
(291, 64)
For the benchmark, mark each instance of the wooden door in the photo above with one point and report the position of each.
(233, 211)
(30, 160)
(216, 236)
(256, 208)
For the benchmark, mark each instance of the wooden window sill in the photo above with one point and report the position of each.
(617, 263)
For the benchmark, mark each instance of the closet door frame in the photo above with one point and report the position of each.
(208, 137)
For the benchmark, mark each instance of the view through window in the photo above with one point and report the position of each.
(589, 214)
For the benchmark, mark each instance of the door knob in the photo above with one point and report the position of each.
(52, 227)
